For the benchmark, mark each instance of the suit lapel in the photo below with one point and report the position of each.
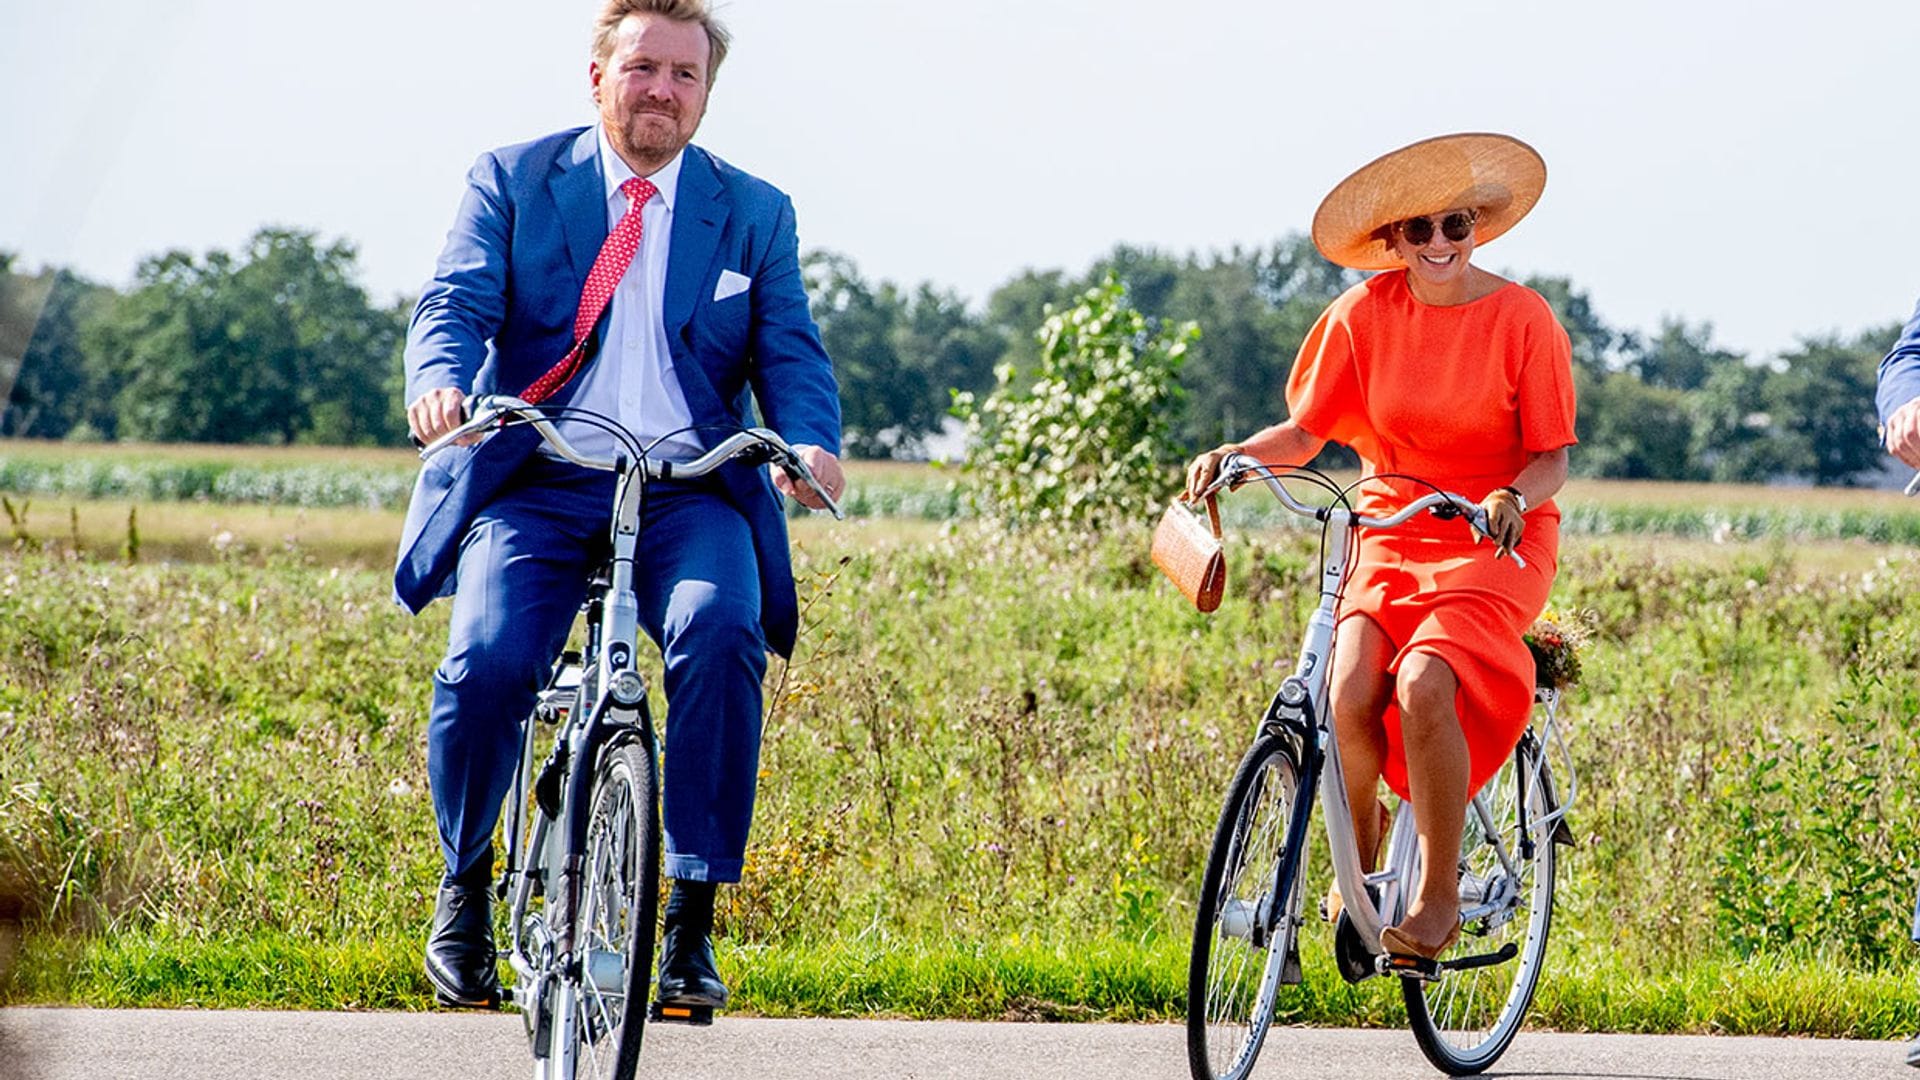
(580, 194)
(697, 222)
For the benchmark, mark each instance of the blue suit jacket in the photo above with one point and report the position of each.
(499, 312)
(1900, 370)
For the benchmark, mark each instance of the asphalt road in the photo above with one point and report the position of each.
(58, 1044)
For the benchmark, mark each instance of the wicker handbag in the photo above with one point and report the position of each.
(1189, 553)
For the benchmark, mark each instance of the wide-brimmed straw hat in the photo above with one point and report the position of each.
(1499, 175)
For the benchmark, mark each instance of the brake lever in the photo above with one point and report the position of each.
(478, 420)
(789, 462)
(1226, 478)
(801, 475)
(1477, 521)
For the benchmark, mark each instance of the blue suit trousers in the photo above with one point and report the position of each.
(521, 578)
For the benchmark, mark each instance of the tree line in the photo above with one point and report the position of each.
(278, 343)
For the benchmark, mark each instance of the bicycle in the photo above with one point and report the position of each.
(583, 852)
(1465, 1008)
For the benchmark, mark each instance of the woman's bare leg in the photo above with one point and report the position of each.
(1361, 689)
(1437, 773)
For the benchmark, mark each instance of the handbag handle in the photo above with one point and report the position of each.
(1213, 512)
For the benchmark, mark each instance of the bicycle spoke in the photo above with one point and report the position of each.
(1466, 1020)
(615, 921)
(1232, 980)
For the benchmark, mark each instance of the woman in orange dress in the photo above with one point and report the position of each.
(1440, 370)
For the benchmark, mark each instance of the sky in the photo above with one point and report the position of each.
(1754, 165)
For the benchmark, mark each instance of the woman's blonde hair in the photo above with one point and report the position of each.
(613, 12)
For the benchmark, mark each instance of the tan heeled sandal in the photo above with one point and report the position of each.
(1398, 944)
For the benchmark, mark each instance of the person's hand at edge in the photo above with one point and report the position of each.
(1902, 435)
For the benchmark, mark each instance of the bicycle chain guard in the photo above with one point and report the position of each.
(1350, 954)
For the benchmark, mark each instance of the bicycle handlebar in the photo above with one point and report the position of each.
(487, 410)
(1238, 468)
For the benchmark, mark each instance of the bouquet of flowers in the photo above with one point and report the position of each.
(1555, 640)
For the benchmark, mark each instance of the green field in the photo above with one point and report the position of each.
(331, 488)
(991, 770)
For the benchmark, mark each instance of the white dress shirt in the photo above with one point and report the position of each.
(631, 378)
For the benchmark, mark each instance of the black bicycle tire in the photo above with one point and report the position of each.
(1426, 1032)
(1220, 854)
(631, 756)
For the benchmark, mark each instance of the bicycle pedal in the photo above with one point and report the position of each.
(1466, 963)
(695, 1015)
(1410, 967)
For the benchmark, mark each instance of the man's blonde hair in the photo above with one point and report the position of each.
(613, 12)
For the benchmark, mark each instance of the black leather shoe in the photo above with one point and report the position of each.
(460, 953)
(688, 975)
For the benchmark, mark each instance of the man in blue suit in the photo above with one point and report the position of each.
(1898, 396)
(1897, 400)
(670, 283)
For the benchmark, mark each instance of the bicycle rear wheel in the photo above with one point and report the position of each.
(1244, 932)
(620, 895)
(1465, 1021)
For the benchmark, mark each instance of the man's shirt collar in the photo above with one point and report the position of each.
(614, 171)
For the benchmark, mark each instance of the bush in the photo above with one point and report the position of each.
(1087, 443)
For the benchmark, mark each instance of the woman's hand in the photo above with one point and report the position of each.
(1505, 522)
(1202, 471)
(1283, 442)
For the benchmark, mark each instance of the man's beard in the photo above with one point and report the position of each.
(648, 141)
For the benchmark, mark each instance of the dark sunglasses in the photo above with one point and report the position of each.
(1456, 227)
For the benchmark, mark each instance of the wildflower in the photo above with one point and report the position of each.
(1555, 642)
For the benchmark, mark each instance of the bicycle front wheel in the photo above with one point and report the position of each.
(1243, 935)
(620, 894)
(1466, 1020)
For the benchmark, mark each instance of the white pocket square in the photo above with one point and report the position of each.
(731, 284)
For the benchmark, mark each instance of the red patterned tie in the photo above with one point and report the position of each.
(611, 265)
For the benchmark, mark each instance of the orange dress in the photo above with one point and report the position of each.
(1458, 396)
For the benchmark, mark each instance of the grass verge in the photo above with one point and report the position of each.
(212, 770)
(1105, 979)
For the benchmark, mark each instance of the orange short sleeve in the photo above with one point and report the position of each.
(1545, 391)
(1323, 389)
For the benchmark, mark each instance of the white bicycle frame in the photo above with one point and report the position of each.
(1306, 693)
(545, 866)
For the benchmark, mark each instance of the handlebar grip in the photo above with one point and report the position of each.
(478, 404)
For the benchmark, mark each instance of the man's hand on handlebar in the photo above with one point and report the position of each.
(826, 470)
(1902, 433)
(1505, 522)
(437, 412)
